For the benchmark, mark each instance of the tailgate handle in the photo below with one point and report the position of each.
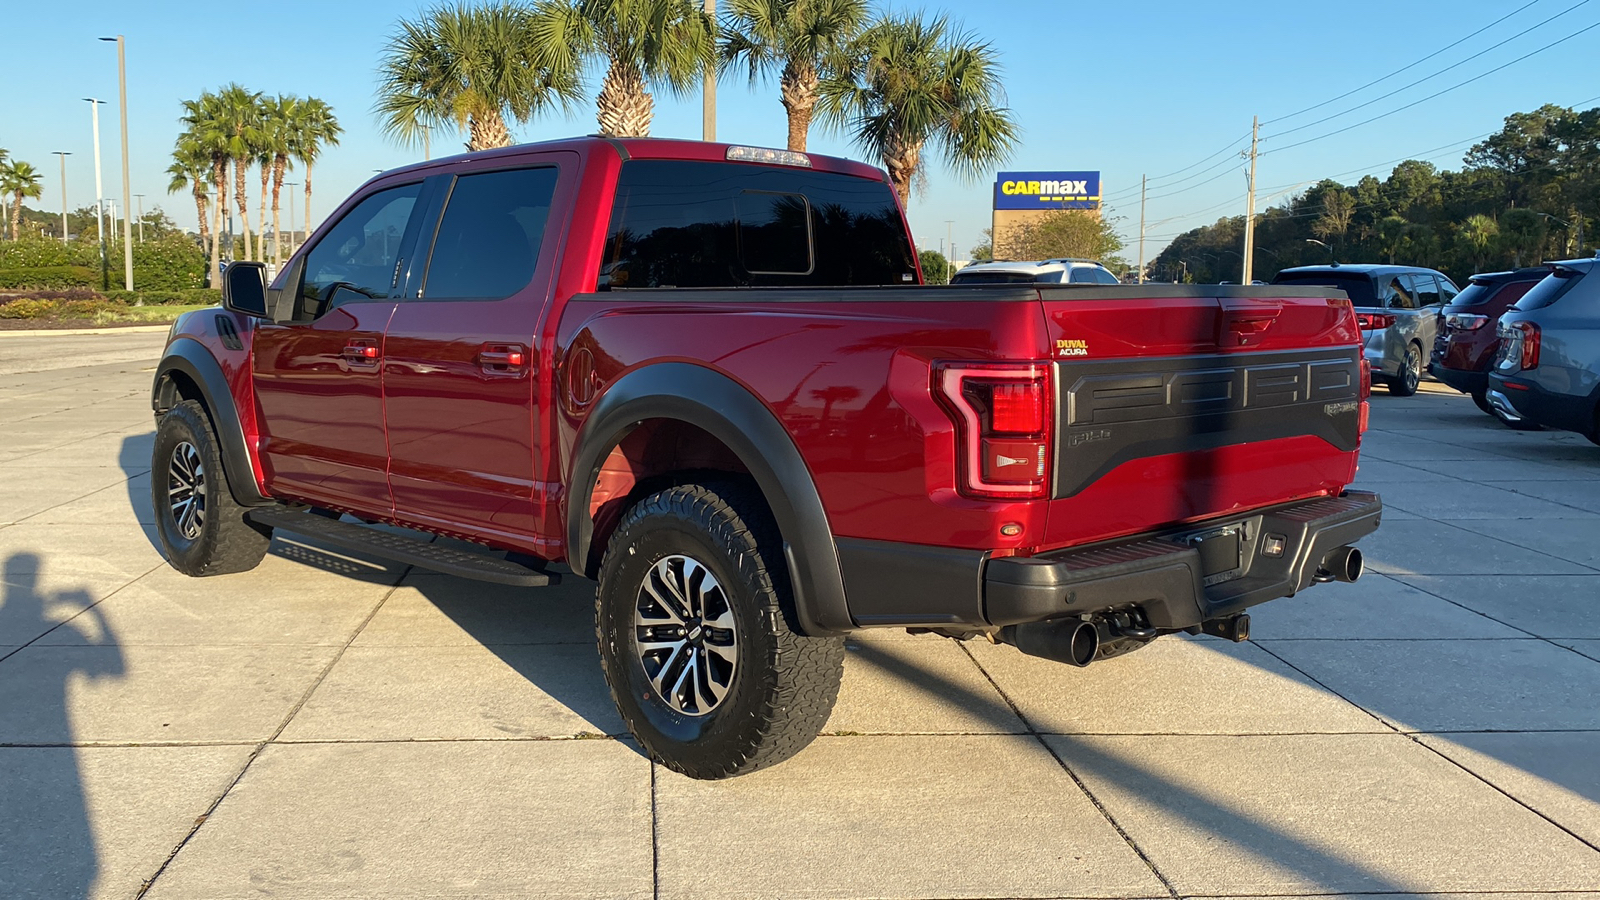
(1241, 323)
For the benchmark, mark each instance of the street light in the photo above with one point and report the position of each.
(122, 93)
(99, 194)
(1331, 260)
(63, 154)
(141, 217)
(1568, 225)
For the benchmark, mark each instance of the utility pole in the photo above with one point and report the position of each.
(949, 234)
(141, 217)
(63, 154)
(127, 226)
(708, 96)
(1144, 182)
(1250, 207)
(99, 196)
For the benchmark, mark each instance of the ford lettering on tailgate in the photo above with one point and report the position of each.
(1116, 411)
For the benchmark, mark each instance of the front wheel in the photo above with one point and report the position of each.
(1410, 378)
(694, 619)
(202, 529)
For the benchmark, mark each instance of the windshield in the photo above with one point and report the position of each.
(992, 277)
(1358, 287)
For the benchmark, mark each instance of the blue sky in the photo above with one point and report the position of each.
(1127, 88)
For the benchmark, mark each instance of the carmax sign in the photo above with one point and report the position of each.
(1047, 190)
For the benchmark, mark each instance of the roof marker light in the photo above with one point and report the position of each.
(764, 155)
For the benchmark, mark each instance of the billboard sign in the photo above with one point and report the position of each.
(1047, 190)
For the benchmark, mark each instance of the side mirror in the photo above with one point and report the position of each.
(244, 288)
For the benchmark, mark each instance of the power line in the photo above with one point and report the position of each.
(1437, 93)
(1413, 84)
(1234, 143)
(1412, 65)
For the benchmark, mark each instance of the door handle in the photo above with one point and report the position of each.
(361, 352)
(503, 359)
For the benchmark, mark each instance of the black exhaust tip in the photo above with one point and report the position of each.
(1072, 641)
(1342, 564)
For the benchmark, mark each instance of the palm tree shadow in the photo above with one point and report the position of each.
(47, 840)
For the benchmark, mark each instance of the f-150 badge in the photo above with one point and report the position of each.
(1072, 348)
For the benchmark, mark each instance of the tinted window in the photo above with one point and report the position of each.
(1357, 287)
(1475, 294)
(1447, 289)
(1106, 277)
(360, 253)
(489, 238)
(677, 223)
(1397, 293)
(1556, 285)
(1425, 290)
(1003, 277)
(1085, 275)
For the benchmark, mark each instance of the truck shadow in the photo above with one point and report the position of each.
(47, 839)
(134, 459)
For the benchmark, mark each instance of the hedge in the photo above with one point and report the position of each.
(189, 297)
(172, 262)
(49, 277)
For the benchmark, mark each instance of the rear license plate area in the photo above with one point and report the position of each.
(1219, 554)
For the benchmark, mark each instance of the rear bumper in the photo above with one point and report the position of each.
(1463, 381)
(1164, 574)
(1568, 412)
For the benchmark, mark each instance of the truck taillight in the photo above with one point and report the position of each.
(1374, 321)
(1366, 391)
(1530, 343)
(1002, 414)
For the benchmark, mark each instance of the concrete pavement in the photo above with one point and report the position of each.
(327, 726)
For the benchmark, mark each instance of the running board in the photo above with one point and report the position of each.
(478, 566)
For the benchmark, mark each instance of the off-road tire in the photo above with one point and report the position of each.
(784, 684)
(1410, 378)
(226, 542)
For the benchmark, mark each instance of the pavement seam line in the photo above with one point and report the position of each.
(1105, 813)
(655, 837)
(1412, 736)
(255, 754)
(1538, 637)
(1451, 523)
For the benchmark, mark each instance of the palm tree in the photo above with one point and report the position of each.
(909, 81)
(203, 118)
(272, 144)
(645, 42)
(1478, 233)
(19, 180)
(191, 166)
(287, 110)
(796, 38)
(470, 67)
(313, 128)
(239, 113)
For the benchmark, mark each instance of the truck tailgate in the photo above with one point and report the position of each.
(1187, 403)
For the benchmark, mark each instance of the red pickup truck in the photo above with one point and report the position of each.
(709, 377)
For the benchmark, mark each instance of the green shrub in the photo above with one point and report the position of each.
(48, 277)
(172, 262)
(25, 308)
(188, 297)
(85, 309)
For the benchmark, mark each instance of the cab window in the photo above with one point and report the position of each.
(359, 258)
(489, 239)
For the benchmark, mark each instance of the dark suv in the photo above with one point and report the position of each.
(1548, 370)
(1397, 308)
(1465, 348)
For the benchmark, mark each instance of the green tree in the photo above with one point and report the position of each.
(1062, 233)
(796, 38)
(1338, 208)
(661, 43)
(984, 252)
(1522, 234)
(313, 129)
(19, 180)
(239, 117)
(908, 81)
(191, 166)
(935, 267)
(1478, 235)
(206, 131)
(283, 114)
(470, 68)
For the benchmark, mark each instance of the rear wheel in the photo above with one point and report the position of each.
(1410, 378)
(694, 619)
(203, 531)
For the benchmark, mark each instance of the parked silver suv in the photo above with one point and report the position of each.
(1398, 308)
(1548, 370)
(1049, 271)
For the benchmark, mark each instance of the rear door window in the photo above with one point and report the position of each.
(680, 223)
(489, 238)
(1397, 293)
(1424, 289)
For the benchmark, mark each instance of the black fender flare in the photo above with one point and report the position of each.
(722, 407)
(190, 357)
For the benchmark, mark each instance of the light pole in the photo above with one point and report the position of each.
(63, 154)
(1331, 260)
(1568, 226)
(99, 195)
(141, 217)
(950, 235)
(291, 184)
(708, 96)
(127, 226)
